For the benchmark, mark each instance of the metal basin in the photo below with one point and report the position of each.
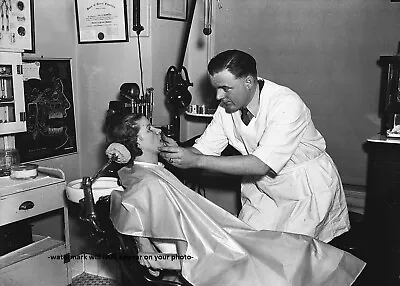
(103, 186)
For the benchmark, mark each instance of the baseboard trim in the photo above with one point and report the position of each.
(355, 197)
(77, 267)
(87, 263)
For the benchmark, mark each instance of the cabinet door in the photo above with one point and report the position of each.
(12, 101)
(44, 268)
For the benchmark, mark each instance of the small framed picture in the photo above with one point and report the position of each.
(172, 9)
(101, 21)
(17, 25)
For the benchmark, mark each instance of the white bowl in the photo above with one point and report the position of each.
(103, 186)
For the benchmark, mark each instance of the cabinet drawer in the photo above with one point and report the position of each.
(30, 203)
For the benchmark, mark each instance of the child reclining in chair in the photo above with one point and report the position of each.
(209, 245)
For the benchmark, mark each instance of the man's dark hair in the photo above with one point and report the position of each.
(237, 62)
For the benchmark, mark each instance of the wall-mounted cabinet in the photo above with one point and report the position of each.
(12, 102)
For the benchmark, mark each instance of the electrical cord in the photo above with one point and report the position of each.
(140, 63)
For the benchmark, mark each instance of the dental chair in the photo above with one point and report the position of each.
(118, 246)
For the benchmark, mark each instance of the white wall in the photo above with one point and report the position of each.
(327, 51)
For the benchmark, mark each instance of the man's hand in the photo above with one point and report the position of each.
(179, 157)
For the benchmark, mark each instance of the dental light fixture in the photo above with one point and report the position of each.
(177, 87)
(130, 91)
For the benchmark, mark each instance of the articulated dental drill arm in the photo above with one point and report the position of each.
(116, 153)
(87, 205)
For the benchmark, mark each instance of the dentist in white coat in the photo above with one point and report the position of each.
(290, 183)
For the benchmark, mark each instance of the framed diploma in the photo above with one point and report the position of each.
(101, 21)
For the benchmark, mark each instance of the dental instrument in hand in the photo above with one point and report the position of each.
(116, 152)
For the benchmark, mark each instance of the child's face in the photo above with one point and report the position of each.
(149, 137)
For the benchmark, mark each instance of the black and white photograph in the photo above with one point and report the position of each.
(200, 143)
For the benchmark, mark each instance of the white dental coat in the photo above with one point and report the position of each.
(306, 196)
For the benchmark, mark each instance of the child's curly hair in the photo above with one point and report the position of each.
(123, 129)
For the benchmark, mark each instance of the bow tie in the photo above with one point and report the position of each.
(246, 115)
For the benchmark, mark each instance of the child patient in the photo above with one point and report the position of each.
(183, 230)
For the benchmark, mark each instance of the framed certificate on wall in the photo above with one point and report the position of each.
(172, 9)
(101, 21)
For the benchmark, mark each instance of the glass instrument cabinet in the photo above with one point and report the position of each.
(12, 102)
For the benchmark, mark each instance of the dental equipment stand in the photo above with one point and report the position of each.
(88, 212)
